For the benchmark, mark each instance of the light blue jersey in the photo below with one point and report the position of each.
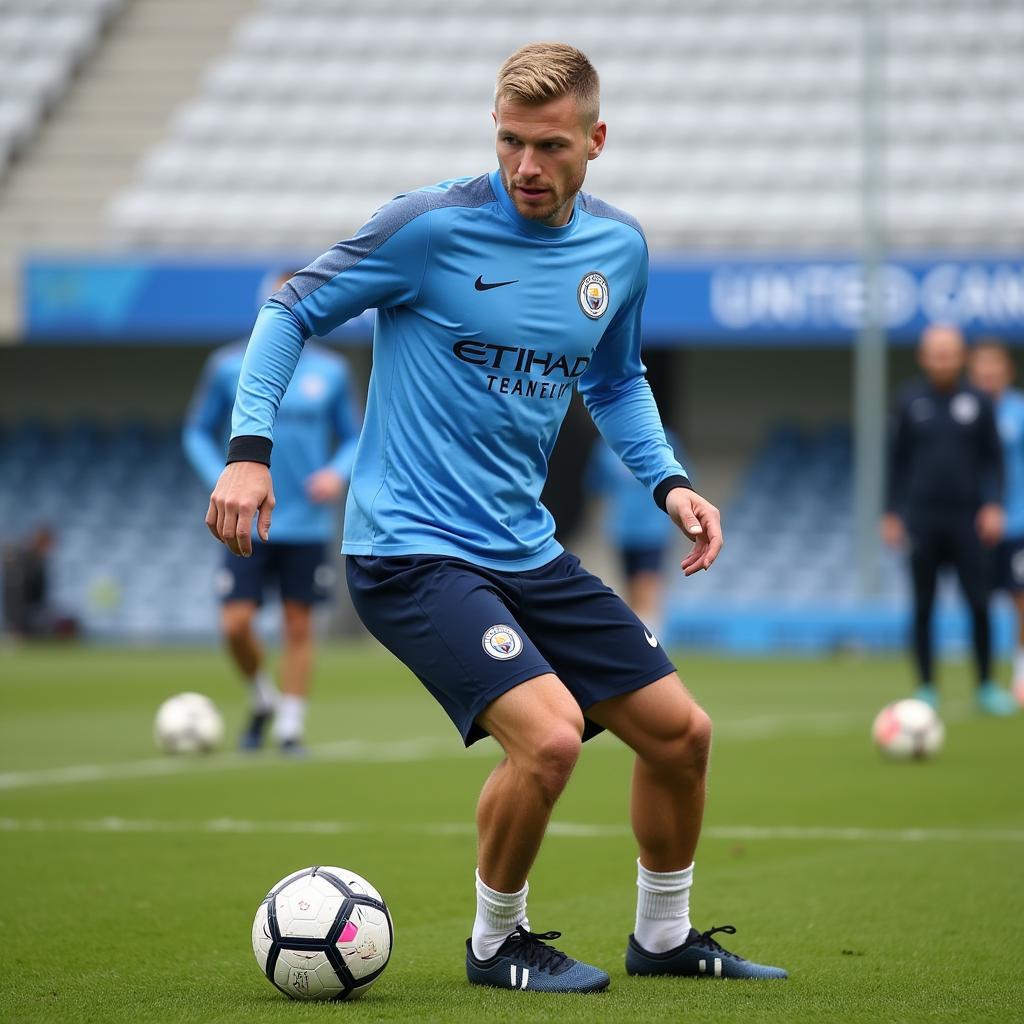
(1010, 421)
(486, 322)
(631, 520)
(317, 426)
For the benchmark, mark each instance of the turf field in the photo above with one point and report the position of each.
(892, 892)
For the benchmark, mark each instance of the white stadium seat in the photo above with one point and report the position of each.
(731, 121)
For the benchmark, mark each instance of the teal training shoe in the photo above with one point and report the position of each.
(698, 957)
(525, 961)
(928, 694)
(994, 700)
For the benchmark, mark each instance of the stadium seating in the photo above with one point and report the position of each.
(731, 123)
(130, 570)
(42, 43)
(123, 565)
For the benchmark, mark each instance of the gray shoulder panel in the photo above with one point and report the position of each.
(387, 221)
(599, 208)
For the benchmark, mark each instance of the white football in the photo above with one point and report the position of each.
(908, 728)
(322, 933)
(188, 724)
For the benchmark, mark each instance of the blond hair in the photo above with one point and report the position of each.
(541, 72)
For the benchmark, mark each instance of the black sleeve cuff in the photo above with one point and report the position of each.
(666, 485)
(250, 448)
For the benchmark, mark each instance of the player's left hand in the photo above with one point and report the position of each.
(701, 522)
(324, 486)
(989, 523)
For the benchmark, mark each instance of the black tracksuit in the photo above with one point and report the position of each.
(945, 462)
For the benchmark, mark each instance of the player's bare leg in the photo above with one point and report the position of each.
(296, 671)
(237, 621)
(643, 595)
(671, 736)
(540, 728)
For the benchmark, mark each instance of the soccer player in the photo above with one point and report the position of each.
(991, 370)
(496, 296)
(317, 427)
(635, 526)
(943, 494)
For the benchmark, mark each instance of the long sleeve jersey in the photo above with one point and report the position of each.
(1010, 421)
(317, 426)
(944, 451)
(486, 322)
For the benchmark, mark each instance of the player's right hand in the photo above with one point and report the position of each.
(244, 488)
(892, 530)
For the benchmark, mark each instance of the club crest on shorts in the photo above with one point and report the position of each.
(593, 294)
(502, 642)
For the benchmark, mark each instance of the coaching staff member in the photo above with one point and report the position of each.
(944, 498)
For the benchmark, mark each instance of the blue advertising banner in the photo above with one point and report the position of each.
(690, 302)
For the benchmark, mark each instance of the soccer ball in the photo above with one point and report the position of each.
(188, 724)
(908, 728)
(322, 933)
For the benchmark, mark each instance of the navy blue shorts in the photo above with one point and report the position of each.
(300, 572)
(471, 633)
(1008, 565)
(638, 560)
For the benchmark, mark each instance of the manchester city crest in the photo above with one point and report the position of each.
(502, 642)
(593, 295)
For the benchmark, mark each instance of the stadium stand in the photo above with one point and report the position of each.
(122, 583)
(107, 566)
(746, 115)
(42, 44)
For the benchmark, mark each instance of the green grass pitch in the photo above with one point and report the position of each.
(892, 892)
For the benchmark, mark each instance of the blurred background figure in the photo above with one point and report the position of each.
(315, 440)
(635, 527)
(944, 499)
(27, 611)
(991, 370)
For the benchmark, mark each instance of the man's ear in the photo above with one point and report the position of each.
(598, 134)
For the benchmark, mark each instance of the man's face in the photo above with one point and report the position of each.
(543, 151)
(990, 370)
(941, 356)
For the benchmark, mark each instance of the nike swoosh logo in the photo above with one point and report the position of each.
(651, 638)
(480, 286)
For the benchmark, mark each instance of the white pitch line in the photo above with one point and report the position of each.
(417, 749)
(561, 829)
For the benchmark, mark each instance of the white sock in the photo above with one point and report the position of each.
(497, 914)
(662, 908)
(262, 692)
(290, 720)
(1018, 665)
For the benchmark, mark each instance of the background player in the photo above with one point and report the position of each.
(496, 297)
(991, 370)
(635, 527)
(943, 494)
(317, 412)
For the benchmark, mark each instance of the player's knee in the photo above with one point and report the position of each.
(553, 758)
(685, 747)
(298, 627)
(236, 624)
(699, 737)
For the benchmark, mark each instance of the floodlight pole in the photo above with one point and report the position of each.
(870, 397)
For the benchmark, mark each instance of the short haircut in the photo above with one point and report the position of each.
(541, 72)
(992, 343)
